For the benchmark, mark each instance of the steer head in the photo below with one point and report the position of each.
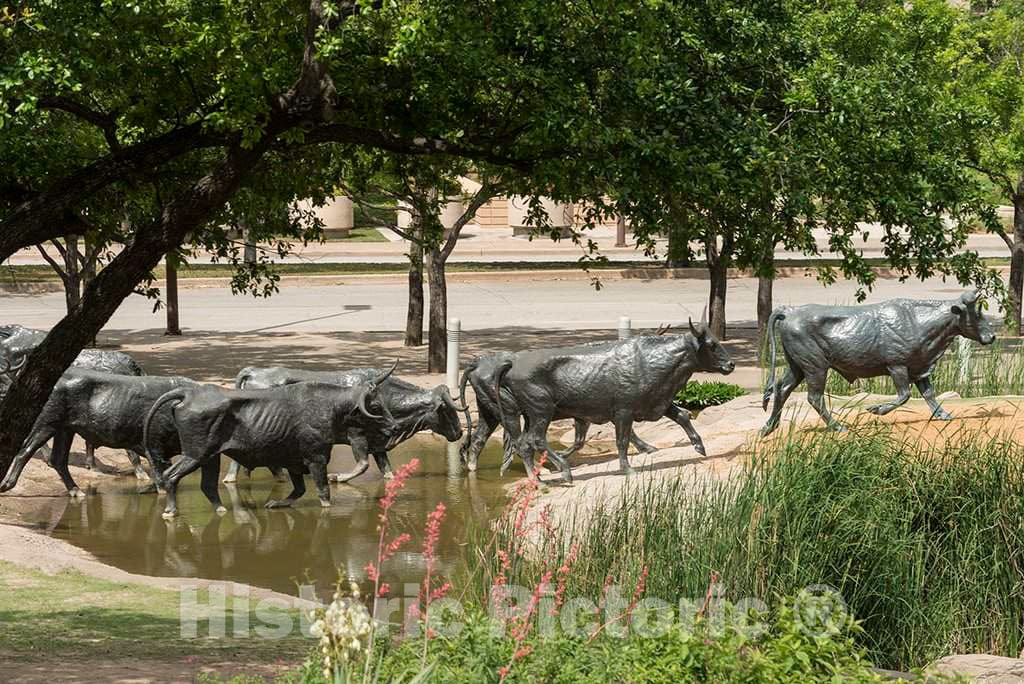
(971, 322)
(711, 355)
(446, 421)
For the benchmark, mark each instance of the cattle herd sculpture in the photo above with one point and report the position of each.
(288, 420)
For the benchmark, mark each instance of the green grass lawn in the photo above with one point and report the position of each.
(70, 615)
(360, 234)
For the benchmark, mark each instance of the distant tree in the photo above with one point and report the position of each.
(424, 188)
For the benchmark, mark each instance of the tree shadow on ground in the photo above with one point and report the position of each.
(217, 356)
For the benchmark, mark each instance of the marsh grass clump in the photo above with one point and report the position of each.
(925, 544)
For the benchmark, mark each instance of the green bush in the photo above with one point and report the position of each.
(783, 652)
(925, 545)
(699, 395)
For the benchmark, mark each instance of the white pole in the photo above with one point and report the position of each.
(454, 333)
(624, 328)
(452, 378)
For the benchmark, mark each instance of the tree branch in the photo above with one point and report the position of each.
(105, 122)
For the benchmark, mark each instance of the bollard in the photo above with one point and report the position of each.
(452, 379)
(624, 328)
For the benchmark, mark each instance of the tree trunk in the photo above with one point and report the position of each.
(173, 327)
(1016, 293)
(620, 232)
(414, 315)
(437, 352)
(48, 361)
(765, 287)
(72, 276)
(249, 255)
(719, 270)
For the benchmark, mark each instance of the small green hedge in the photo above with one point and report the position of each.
(699, 395)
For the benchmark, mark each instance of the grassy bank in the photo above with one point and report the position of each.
(71, 616)
(925, 546)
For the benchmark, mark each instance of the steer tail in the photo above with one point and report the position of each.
(498, 377)
(769, 388)
(178, 395)
(464, 449)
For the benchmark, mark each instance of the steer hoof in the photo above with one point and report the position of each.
(169, 515)
(148, 489)
(140, 474)
(942, 415)
(275, 503)
(325, 504)
(878, 410)
(220, 510)
(628, 470)
(699, 448)
(76, 493)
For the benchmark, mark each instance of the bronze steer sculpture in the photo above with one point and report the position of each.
(293, 427)
(480, 374)
(901, 338)
(412, 409)
(107, 410)
(622, 382)
(16, 342)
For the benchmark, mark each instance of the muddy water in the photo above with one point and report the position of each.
(279, 549)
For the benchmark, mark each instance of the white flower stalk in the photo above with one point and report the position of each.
(343, 629)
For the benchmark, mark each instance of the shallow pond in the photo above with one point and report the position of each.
(280, 549)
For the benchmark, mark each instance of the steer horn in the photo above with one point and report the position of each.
(447, 397)
(361, 403)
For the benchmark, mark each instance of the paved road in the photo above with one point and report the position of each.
(539, 304)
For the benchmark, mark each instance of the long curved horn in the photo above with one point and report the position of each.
(692, 328)
(704, 318)
(361, 404)
(388, 374)
(446, 395)
(14, 367)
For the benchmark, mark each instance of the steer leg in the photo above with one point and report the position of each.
(623, 429)
(59, 461)
(361, 452)
(383, 463)
(208, 483)
(579, 438)
(298, 489)
(899, 378)
(31, 445)
(681, 417)
(232, 475)
(783, 388)
(487, 423)
(318, 471)
(924, 386)
(816, 398)
(90, 456)
(642, 446)
(136, 461)
(186, 464)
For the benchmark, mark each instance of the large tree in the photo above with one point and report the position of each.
(987, 62)
(102, 103)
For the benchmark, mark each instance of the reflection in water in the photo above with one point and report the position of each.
(279, 549)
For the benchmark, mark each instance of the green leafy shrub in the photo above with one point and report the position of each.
(699, 395)
(785, 651)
